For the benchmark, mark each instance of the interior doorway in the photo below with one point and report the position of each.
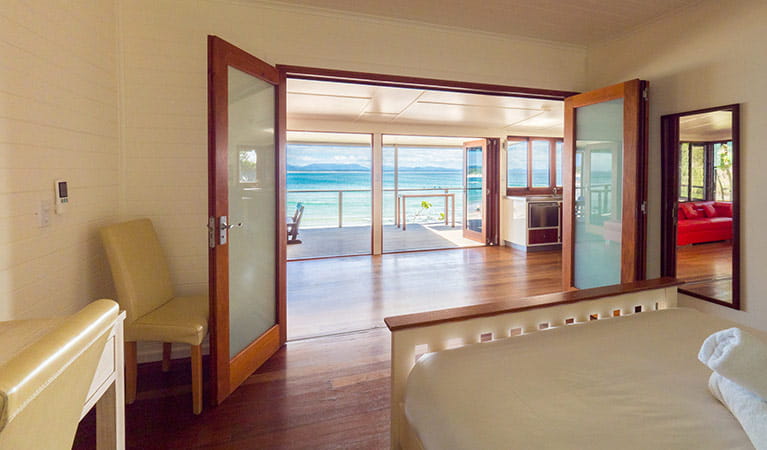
(700, 239)
(437, 169)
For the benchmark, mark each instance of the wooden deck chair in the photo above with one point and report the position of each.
(293, 224)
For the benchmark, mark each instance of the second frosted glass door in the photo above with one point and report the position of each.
(605, 171)
(599, 141)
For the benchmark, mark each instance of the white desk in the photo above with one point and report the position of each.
(107, 392)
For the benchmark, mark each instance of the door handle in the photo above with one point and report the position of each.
(225, 226)
(221, 229)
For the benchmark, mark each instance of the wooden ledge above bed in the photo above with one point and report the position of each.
(521, 304)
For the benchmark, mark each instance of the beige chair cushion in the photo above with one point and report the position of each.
(182, 319)
(139, 267)
(44, 384)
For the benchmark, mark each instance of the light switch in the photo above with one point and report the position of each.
(44, 213)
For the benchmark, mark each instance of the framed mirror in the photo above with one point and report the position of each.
(700, 239)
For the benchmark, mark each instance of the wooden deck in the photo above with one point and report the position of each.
(328, 392)
(323, 242)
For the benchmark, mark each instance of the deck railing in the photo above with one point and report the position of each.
(339, 194)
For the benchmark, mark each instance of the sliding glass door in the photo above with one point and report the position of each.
(329, 194)
(475, 200)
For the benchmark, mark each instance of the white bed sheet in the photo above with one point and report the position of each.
(632, 382)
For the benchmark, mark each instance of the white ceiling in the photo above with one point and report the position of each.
(315, 137)
(348, 102)
(581, 22)
(711, 126)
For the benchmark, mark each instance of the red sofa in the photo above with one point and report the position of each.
(704, 222)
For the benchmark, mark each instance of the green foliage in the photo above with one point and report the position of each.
(425, 204)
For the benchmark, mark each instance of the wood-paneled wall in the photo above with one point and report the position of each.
(58, 120)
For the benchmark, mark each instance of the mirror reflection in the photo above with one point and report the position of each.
(705, 232)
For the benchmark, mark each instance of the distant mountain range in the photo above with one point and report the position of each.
(330, 167)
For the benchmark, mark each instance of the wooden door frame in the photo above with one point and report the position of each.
(408, 82)
(493, 191)
(670, 196)
(634, 207)
(221, 56)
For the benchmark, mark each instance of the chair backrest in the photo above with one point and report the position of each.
(44, 386)
(139, 268)
(298, 214)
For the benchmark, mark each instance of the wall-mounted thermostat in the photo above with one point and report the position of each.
(61, 192)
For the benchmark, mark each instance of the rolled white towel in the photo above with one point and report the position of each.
(750, 410)
(739, 356)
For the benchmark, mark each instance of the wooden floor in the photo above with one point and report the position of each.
(704, 261)
(720, 289)
(328, 392)
(356, 293)
(325, 393)
(707, 268)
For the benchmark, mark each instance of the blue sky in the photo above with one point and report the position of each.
(304, 154)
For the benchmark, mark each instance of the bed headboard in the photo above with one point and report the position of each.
(415, 334)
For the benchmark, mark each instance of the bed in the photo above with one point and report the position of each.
(552, 373)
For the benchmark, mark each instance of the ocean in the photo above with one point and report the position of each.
(321, 208)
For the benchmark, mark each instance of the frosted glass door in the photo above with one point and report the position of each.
(252, 209)
(247, 230)
(599, 141)
(604, 165)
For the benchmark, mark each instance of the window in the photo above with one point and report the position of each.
(533, 165)
(705, 171)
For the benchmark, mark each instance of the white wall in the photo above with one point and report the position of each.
(58, 119)
(164, 55)
(710, 55)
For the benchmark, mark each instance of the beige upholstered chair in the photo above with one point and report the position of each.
(46, 370)
(145, 292)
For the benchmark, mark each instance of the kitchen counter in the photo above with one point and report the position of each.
(534, 222)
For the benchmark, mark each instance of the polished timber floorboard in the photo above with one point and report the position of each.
(328, 392)
(356, 293)
(707, 261)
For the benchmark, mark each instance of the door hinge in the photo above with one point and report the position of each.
(644, 207)
(645, 94)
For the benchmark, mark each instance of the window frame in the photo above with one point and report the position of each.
(709, 188)
(530, 190)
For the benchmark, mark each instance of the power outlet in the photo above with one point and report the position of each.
(44, 213)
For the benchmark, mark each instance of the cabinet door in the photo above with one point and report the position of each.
(545, 236)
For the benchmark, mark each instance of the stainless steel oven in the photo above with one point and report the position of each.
(543, 215)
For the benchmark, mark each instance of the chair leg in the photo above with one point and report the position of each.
(197, 379)
(130, 372)
(167, 347)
